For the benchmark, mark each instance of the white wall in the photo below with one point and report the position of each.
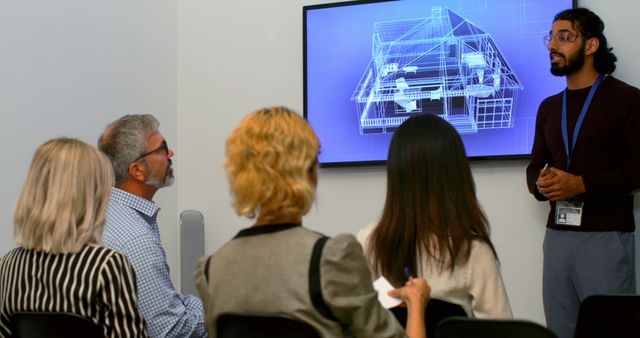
(69, 67)
(237, 56)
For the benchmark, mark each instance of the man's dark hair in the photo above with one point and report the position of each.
(591, 26)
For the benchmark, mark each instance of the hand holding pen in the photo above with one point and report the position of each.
(407, 273)
(545, 170)
(415, 293)
(415, 290)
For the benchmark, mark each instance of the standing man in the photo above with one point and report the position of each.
(142, 164)
(586, 161)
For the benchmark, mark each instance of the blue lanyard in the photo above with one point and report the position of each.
(583, 113)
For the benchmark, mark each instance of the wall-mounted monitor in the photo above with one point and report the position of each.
(480, 64)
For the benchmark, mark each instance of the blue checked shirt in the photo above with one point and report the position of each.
(131, 228)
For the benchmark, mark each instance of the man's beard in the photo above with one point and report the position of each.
(571, 65)
(165, 181)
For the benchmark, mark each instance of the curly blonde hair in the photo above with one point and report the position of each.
(64, 198)
(269, 159)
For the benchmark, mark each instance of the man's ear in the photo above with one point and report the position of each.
(138, 171)
(592, 45)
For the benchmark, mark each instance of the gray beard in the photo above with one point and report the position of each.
(158, 183)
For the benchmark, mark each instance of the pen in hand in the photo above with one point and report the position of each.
(546, 169)
(407, 272)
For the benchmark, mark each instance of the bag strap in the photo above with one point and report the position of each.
(206, 269)
(315, 287)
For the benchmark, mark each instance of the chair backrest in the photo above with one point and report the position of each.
(262, 326)
(52, 325)
(436, 311)
(191, 248)
(456, 327)
(609, 316)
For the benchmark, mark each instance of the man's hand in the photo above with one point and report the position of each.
(558, 185)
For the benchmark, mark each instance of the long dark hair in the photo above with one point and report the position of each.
(431, 206)
(591, 26)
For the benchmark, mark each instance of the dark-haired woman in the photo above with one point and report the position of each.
(432, 222)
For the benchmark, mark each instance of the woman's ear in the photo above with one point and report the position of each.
(313, 174)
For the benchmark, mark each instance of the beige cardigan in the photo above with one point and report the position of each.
(476, 286)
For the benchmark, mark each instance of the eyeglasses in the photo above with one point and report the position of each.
(561, 37)
(163, 147)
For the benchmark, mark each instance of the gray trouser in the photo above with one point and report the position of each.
(580, 264)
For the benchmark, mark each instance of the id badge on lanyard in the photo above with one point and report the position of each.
(570, 212)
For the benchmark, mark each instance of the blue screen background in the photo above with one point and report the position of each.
(338, 50)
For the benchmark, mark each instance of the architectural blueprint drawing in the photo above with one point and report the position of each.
(442, 65)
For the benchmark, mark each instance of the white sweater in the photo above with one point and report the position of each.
(476, 286)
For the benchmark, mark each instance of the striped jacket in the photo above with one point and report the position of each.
(96, 282)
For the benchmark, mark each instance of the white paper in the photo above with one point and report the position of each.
(382, 285)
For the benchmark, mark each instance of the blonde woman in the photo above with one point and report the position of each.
(271, 167)
(59, 265)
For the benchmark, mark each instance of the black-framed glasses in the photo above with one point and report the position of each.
(163, 147)
(561, 37)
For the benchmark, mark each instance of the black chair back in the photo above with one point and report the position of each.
(262, 326)
(436, 311)
(456, 327)
(609, 316)
(52, 325)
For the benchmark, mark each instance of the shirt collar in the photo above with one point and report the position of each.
(144, 206)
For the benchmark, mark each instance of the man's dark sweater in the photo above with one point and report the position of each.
(606, 155)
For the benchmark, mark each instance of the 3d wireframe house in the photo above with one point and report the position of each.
(444, 65)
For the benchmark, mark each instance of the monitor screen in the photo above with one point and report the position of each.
(480, 64)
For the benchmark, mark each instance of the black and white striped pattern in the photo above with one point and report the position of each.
(96, 282)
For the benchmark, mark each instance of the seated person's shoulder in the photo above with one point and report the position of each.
(125, 238)
(364, 233)
(109, 254)
(343, 246)
(480, 250)
(480, 246)
(482, 257)
(344, 240)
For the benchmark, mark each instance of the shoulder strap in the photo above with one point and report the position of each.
(315, 288)
(206, 269)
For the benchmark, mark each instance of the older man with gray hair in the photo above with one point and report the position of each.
(142, 164)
